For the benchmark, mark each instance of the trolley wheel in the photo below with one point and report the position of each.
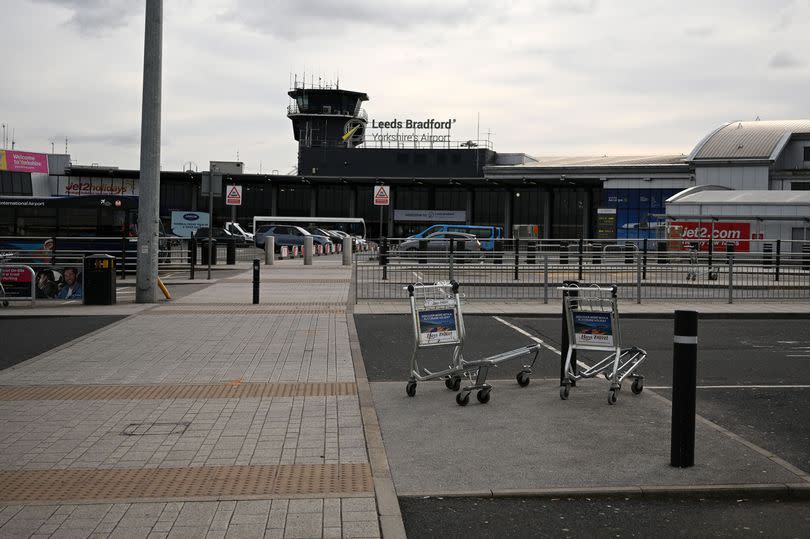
(613, 396)
(637, 386)
(565, 390)
(462, 399)
(5, 304)
(410, 389)
(523, 378)
(483, 395)
(453, 383)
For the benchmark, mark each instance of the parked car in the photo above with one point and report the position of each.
(440, 242)
(288, 235)
(217, 233)
(236, 230)
(485, 234)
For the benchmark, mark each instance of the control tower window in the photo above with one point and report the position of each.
(303, 103)
(806, 154)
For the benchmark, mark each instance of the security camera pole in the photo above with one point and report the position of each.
(149, 181)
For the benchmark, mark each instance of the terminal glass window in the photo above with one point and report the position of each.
(294, 200)
(489, 207)
(334, 200)
(527, 206)
(15, 183)
(568, 213)
(807, 153)
(450, 199)
(412, 198)
(635, 210)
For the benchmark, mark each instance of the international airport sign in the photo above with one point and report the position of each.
(416, 130)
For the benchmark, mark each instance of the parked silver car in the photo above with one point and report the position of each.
(288, 235)
(440, 242)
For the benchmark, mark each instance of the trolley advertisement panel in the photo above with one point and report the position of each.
(593, 328)
(437, 326)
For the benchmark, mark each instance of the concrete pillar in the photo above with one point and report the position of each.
(308, 243)
(347, 251)
(269, 250)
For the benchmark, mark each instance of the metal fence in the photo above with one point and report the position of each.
(533, 270)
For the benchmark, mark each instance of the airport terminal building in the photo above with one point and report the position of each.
(343, 154)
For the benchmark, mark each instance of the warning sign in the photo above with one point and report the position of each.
(234, 195)
(381, 195)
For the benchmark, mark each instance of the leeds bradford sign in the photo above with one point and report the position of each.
(429, 124)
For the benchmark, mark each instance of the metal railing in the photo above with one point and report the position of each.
(533, 270)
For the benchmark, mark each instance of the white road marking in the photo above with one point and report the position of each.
(797, 355)
(792, 386)
(539, 341)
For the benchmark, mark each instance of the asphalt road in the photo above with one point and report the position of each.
(25, 337)
(753, 380)
(599, 517)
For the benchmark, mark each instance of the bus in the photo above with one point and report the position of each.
(354, 226)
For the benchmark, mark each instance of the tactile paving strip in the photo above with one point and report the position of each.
(176, 391)
(283, 310)
(282, 480)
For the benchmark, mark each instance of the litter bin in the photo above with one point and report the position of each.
(204, 251)
(98, 286)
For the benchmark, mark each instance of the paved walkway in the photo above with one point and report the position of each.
(204, 417)
(212, 417)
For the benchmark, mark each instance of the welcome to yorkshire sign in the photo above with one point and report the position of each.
(429, 124)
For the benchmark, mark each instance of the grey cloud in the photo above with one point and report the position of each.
(700, 31)
(118, 138)
(293, 19)
(574, 7)
(97, 17)
(784, 60)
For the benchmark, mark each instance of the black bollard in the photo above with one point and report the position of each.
(684, 388)
(423, 245)
(580, 247)
(384, 258)
(192, 257)
(517, 258)
(778, 257)
(256, 267)
(564, 344)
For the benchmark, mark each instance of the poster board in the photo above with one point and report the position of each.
(593, 328)
(437, 326)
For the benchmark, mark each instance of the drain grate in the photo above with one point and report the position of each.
(155, 429)
(279, 481)
(176, 391)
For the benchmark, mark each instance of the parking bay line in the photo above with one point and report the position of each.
(758, 386)
(539, 341)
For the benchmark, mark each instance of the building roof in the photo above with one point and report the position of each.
(757, 140)
(748, 197)
(606, 161)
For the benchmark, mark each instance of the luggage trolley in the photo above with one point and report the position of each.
(694, 265)
(437, 321)
(592, 319)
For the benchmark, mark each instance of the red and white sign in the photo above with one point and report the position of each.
(382, 195)
(234, 195)
(721, 232)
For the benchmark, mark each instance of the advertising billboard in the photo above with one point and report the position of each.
(437, 326)
(682, 233)
(186, 223)
(15, 161)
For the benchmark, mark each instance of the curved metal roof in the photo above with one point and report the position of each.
(757, 140)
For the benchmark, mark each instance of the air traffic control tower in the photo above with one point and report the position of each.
(331, 129)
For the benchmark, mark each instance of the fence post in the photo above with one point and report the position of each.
(545, 278)
(564, 344)
(638, 278)
(579, 262)
(684, 389)
(192, 256)
(628, 253)
(731, 275)
(423, 244)
(123, 258)
(517, 258)
(384, 258)
(711, 251)
(778, 256)
(452, 257)
(644, 261)
(255, 281)
(531, 247)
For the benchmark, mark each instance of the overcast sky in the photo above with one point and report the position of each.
(553, 77)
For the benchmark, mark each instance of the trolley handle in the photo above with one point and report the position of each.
(411, 288)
